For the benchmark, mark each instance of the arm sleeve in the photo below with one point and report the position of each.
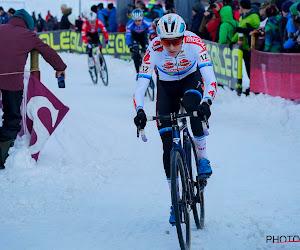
(84, 32)
(103, 29)
(49, 54)
(223, 33)
(206, 70)
(144, 77)
(128, 33)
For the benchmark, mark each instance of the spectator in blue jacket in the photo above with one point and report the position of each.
(290, 43)
(3, 16)
(108, 17)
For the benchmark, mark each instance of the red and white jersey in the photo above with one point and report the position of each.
(193, 56)
(86, 28)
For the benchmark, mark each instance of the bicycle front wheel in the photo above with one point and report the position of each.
(93, 74)
(103, 70)
(197, 206)
(180, 200)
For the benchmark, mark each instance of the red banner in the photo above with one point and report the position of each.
(275, 74)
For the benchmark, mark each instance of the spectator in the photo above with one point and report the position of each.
(3, 16)
(40, 23)
(249, 21)
(122, 14)
(34, 18)
(64, 22)
(154, 11)
(213, 23)
(100, 6)
(94, 9)
(11, 12)
(289, 44)
(272, 35)
(19, 41)
(198, 15)
(47, 16)
(113, 26)
(228, 25)
(235, 8)
(51, 23)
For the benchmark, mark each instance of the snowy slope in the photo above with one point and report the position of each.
(96, 186)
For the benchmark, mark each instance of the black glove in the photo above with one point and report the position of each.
(140, 119)
(231, 45)
(130, 48)
(240, 30)
(204, 111)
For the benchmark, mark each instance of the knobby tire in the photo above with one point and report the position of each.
(177, 167)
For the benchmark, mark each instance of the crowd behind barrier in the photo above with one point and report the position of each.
(269, 26)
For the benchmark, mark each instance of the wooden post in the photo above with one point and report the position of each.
(34, 64)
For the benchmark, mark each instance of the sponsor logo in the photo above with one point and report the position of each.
(212, 94)
(168, 65)
(184, 62)
(195, 40)
(176, 140)
(147, 57)
(157, 46)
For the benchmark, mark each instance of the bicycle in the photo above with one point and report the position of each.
(184, 174)
(99, 66)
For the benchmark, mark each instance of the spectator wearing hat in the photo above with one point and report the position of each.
(19, 41)
(154, 10)
(3, 16)
(272, 36)
(214, 21)
(11, 12)
(198, 15)
(234, 6)
(65, 24)
(249, 21)
(228, 25)
(289, 44)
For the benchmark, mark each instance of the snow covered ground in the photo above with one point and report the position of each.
(96, 186)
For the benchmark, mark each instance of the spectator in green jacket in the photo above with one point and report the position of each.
(228, 25)
(272, 34)
(249, 21)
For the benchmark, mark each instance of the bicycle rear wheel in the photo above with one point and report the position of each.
(180, 200)
(197, 206)
(150, 90)
(103, 70)
(93, 74)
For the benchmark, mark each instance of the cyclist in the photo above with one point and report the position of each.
(154, 25)
(181, 59)
(90, 36)
(137, 30)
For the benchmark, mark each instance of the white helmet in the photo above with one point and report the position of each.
(171, 26)
(137, 14)
(92, 16)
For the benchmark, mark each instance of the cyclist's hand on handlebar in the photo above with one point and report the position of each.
(130, 48)
(89, 45)
(140, 120)
(204, 111)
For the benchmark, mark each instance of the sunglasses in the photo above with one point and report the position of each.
(175, 42)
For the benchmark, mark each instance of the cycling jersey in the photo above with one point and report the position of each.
(131, 27)
(86, 28)
(193, 56)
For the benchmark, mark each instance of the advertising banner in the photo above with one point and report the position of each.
(227, 63)
(275, 74)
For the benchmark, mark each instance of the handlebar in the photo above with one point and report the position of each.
(205, 124)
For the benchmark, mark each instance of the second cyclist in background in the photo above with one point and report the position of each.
(137, 30)
(90, 36)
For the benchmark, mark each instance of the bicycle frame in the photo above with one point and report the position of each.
(96, 57)
(177, 146)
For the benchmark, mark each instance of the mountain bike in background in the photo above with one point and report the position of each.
(99, 68)
(184, 176)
